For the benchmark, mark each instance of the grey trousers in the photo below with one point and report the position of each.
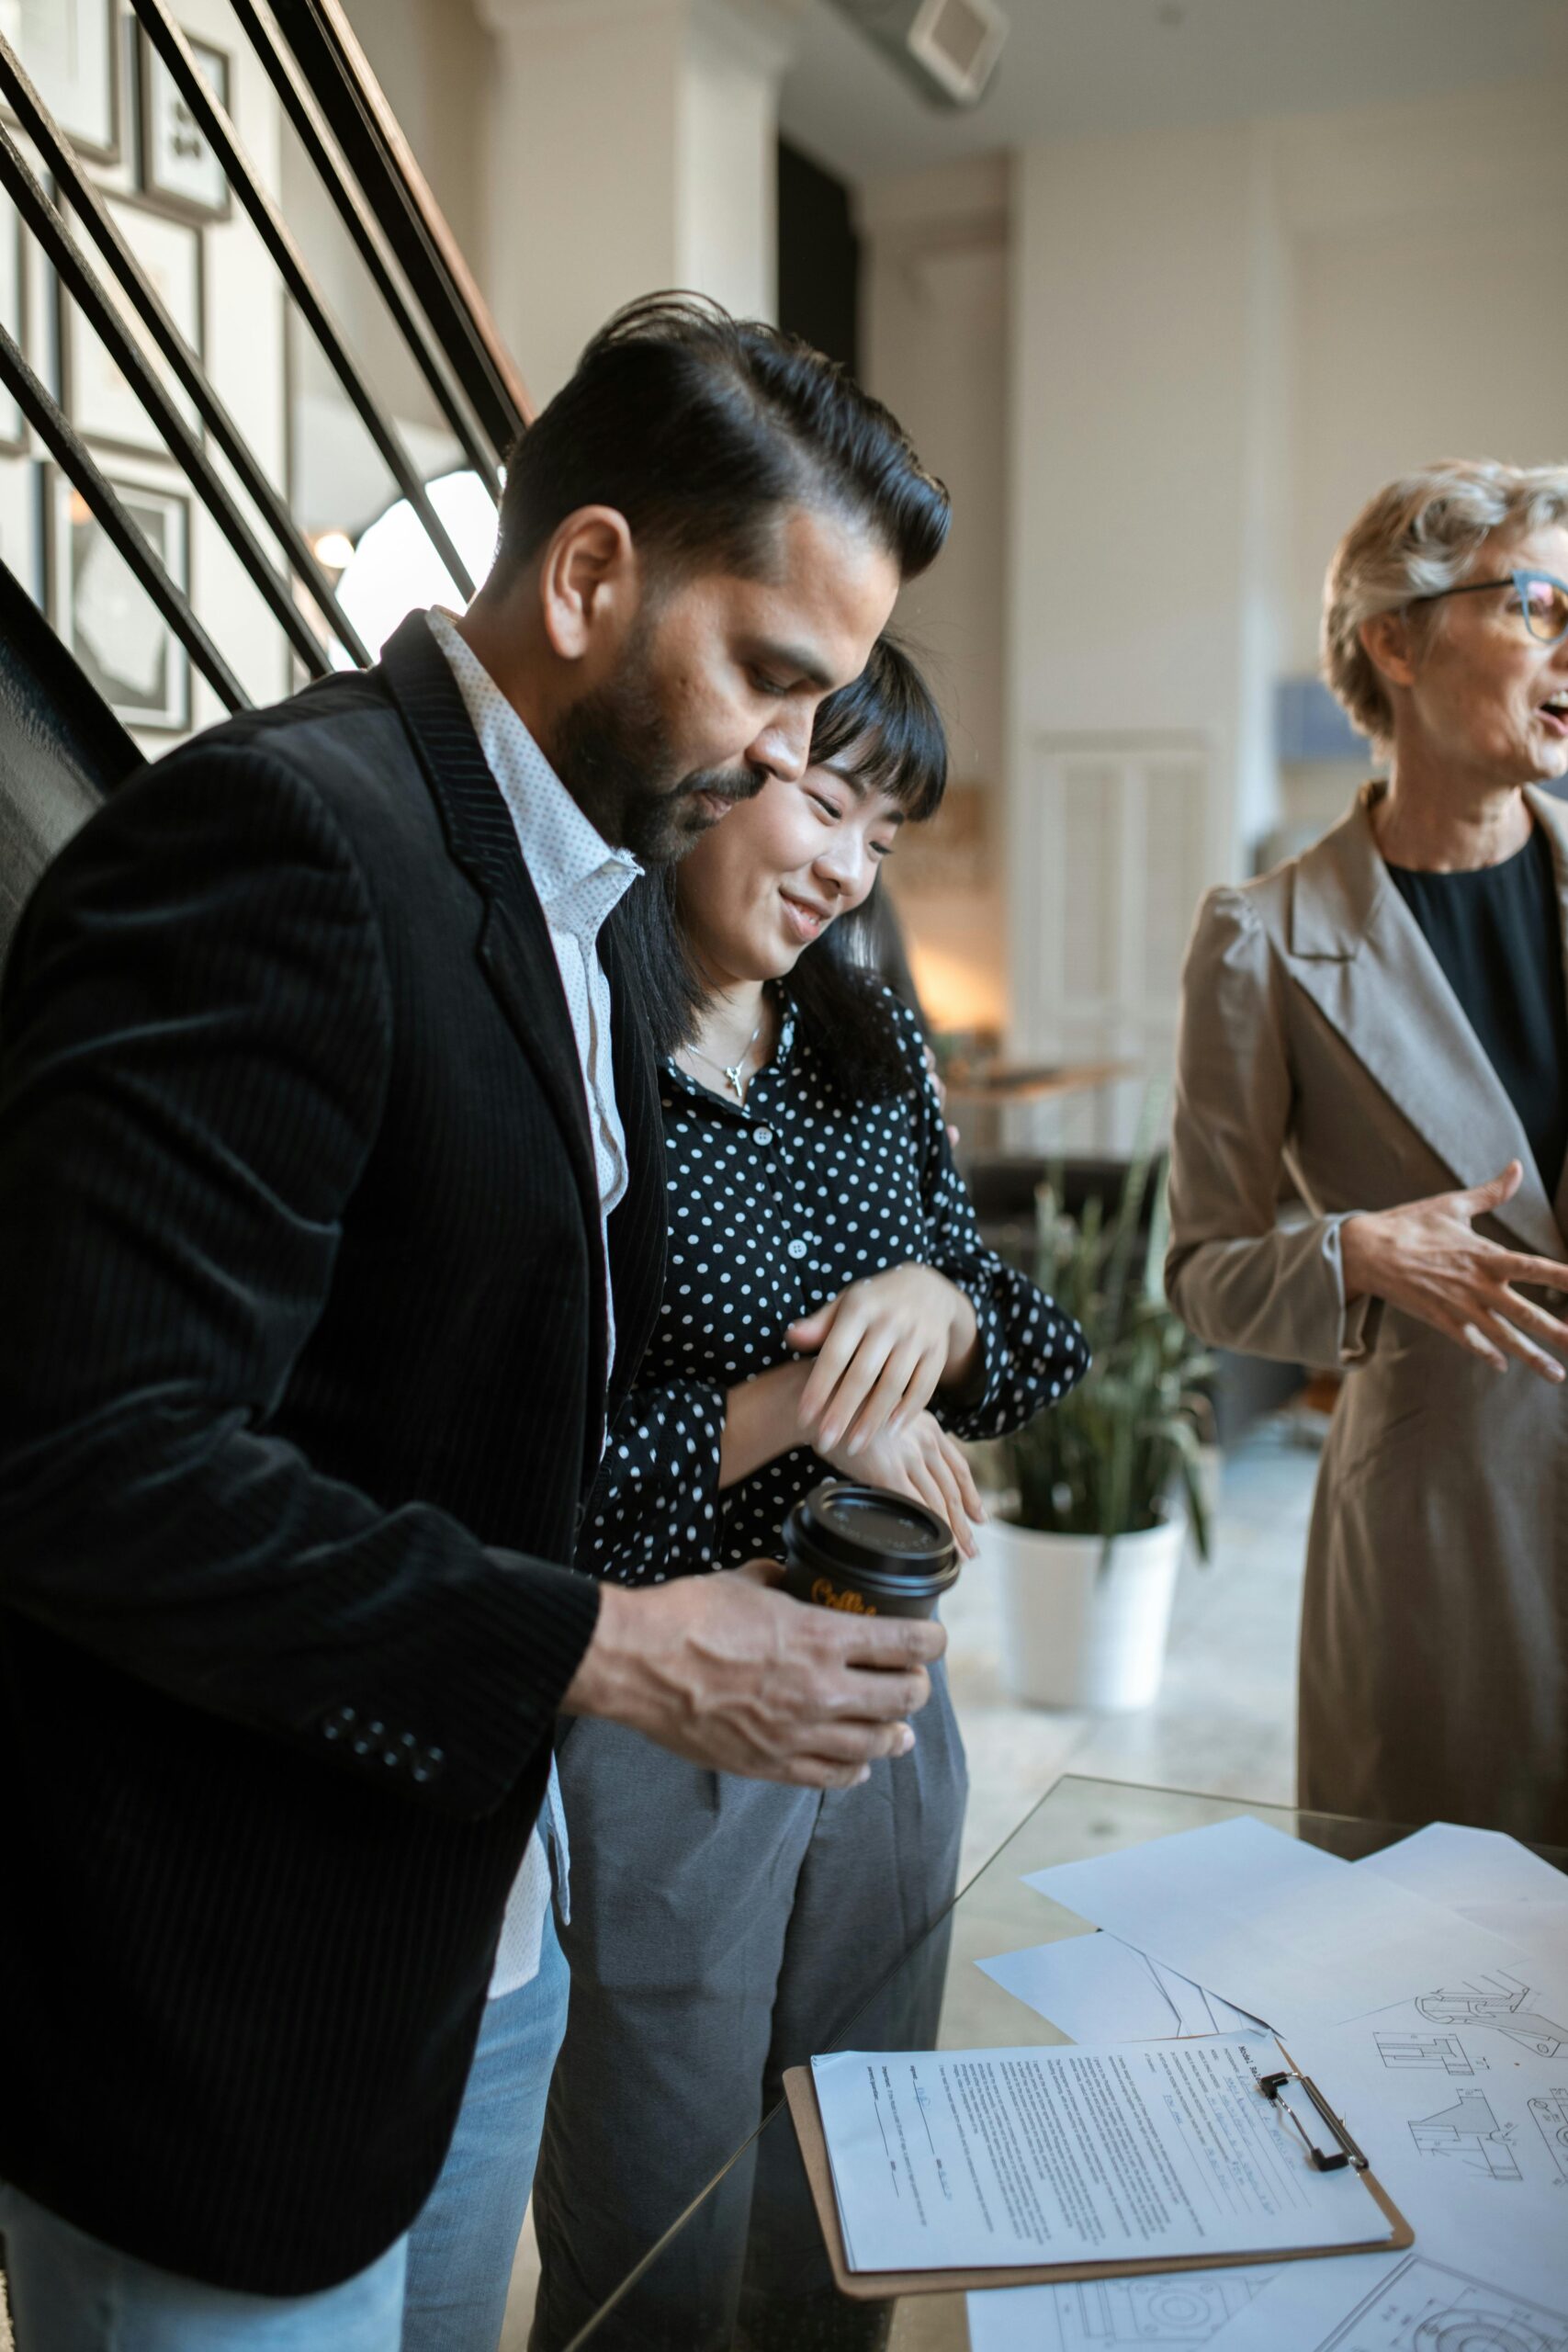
(721, 1930)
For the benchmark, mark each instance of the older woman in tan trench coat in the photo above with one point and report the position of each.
(1384, 1017)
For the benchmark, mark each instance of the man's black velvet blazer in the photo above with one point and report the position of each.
(302, 1382)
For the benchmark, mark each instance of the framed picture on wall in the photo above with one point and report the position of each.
(13, 315)
(179, 168)
(70, 49)
(97, 397)
(101, 611)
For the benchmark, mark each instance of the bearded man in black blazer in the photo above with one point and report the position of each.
(305, 1353)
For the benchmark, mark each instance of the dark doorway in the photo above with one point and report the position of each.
(819, 258)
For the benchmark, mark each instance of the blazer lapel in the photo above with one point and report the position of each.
(1360, 953)
(515, 947)
(640, 1225)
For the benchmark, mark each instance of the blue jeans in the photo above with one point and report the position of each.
(460, 2248)
(72, 2293)
(441, 2289)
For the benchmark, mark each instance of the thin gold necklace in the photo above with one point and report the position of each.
(733, 1072)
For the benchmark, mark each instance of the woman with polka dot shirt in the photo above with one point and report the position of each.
(830, 1308)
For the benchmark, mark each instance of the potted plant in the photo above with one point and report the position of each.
(1089, 1549)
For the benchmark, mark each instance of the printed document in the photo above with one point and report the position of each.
(1284, 1930)
(961, 2159)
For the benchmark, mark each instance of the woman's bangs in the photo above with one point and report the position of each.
(886, 731)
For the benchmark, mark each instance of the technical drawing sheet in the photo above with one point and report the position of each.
(1459, 2097)
(1181, 2310)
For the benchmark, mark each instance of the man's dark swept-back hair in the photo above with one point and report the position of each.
(885, 730)
(697, 427)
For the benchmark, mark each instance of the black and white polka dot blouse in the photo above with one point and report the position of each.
(775, 1205)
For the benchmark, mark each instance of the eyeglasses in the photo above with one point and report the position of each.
(1542, 606)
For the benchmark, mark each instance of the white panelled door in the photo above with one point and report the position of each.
(1112, 848)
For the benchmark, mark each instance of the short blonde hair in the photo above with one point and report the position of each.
(1419, 534)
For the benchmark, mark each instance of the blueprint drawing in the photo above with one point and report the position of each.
(1426, 2307)
(1469, 2133)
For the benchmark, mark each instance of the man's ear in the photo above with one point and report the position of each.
(590, 582)
(1385, 641)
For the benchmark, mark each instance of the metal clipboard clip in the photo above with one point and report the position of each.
(1322, 2160)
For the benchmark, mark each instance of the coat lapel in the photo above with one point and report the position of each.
(1552, 819)
(515, 947)
(1360, 953)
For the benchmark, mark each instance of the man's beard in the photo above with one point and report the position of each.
(612, 752)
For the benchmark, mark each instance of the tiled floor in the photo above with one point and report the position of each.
(1224, 1719)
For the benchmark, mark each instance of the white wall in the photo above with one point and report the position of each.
(1223, 340)
(727, 141)
(1427, 291)
(628, 145)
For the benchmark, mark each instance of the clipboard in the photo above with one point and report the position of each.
(878, 2286)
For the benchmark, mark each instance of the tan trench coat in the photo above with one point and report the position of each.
(1317, 1029)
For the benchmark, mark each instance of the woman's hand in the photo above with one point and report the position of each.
(1424, 1259)
(921, 1460)
(882, 1348)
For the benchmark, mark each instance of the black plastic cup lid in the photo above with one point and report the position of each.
(857, 1528)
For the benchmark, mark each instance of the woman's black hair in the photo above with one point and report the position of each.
(885, 730)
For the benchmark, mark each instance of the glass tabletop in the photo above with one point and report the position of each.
(688, 2295)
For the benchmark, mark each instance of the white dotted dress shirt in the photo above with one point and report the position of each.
(579, 879)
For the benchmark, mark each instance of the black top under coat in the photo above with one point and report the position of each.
(1497, 933)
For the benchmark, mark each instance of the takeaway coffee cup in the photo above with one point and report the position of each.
(866, 1550)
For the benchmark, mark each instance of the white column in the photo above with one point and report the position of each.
(629, 145)
(1147, 457)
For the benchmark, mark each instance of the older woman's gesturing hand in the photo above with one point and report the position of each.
(1425, 1258)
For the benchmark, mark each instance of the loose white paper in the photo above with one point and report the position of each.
(1462, 1867)
(1489, 1878)
(965, 2159)
(1096, 1988)
(1276, 1925)
(1179, 2311)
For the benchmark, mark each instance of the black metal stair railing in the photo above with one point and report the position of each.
(299, 104)
(380, 158)
(270, 226)
(351, 139)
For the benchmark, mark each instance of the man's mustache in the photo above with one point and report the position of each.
(724, 784)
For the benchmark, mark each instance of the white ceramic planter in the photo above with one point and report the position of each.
(1076, 1634)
